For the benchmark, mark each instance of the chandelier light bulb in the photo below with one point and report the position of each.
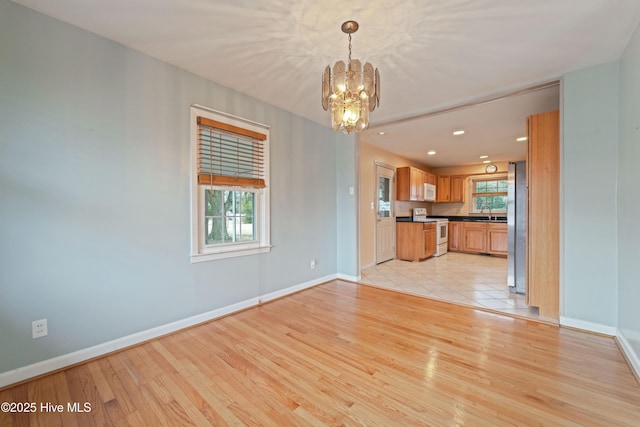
(351, 91)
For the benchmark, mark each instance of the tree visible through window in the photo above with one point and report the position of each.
(490, 194)
(229, 216)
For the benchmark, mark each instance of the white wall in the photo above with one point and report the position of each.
(589, 175)
(94, 193)
(629, 194)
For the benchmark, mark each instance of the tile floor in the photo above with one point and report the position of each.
(475, 280)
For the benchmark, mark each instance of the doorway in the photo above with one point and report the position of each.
(385, 218)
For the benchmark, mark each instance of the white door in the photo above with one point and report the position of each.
(385, 220)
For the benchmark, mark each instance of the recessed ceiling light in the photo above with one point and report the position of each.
(458, 132)
(484, 157)
(382, 133)
(431, 153)
(522, 138)
(487, 161)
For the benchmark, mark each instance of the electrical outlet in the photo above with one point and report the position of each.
(39, 328)
(313, 264)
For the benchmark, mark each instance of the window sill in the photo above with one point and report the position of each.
(212, 256)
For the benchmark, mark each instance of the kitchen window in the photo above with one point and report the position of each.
(489, 194)
(229, 186)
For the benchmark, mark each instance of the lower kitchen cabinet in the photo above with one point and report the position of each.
(454, 236)
(497, 239)
(478, 238)
(415, 240)
(474, 237)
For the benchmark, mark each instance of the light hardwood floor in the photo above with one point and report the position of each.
(349, 354)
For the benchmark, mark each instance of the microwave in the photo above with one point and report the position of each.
(429, 192)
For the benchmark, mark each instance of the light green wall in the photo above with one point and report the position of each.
(94, 193)
(589, 175)
(347, 207)
(629, 193)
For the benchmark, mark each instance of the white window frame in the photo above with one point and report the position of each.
(472, 186)
(199, 251)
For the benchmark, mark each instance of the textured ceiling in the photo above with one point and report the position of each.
(431, 54)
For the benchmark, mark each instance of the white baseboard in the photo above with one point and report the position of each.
(588, 326)
(62, 361)
(624, 344)
(632, 356)
(348, 277)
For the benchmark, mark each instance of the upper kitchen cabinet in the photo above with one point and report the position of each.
(410, 184)
(443, 189)
(457, 189)
(429, 178)
(450, 189)
(543, 213)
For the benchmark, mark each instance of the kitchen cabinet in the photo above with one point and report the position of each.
(481, 238)
(454, 237)
(409, 184)
(474, 237)
(429, 178)
(429, 240)
(543, 213)
(450, 189)
(443, 189)
(497, 239)
(457, 189)
(415, 240)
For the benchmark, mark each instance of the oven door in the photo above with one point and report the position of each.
(443, 233)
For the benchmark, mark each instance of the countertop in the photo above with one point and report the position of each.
(457, 218)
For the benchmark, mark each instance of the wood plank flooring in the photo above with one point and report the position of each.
(348, 354)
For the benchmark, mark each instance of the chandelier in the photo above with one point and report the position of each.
(352, 91)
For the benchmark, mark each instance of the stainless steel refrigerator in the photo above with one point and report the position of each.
(516, 227)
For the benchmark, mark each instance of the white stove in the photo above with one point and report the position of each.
(442, 236)
(442, 229)
(420, 215)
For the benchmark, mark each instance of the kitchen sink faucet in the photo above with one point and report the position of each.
(486, 207)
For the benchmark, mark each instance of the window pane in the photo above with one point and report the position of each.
(481, 187)
(230, 217)
(480, 202)
(214, 230)
(499, 203)
(384, 197)
(213, 203)
(246, 231)
(502, 185)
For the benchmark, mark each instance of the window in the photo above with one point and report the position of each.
(230, 186)
(489, 194)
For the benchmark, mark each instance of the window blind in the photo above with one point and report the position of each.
(491, 187)
(230, 155)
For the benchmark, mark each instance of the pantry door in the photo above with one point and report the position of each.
(385, 220)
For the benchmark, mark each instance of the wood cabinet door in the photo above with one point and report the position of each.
(443, 189)
(475, 237)
(497, 239)
(429, 240)
(453, 240)
(417, 185)
(403, 183)
(457, 189)
(430, 178)
(409, 241)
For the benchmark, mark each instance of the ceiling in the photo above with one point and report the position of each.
(432, 55)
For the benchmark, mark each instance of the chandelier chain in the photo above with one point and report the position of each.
(349, 51)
